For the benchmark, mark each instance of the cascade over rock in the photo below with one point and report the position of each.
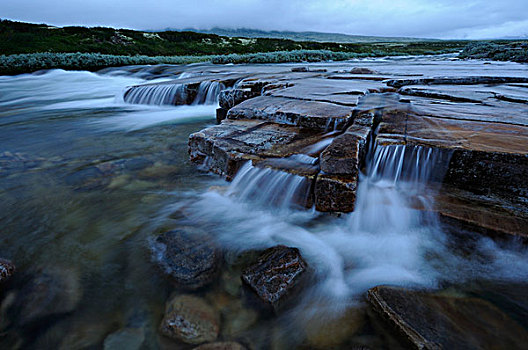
(337, 116)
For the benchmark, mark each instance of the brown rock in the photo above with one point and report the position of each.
(223, 148)
(344, 155)
(190, 319)
(331, 333)
(362, 70)
(335, 193)
(278, 270)
(427, 321)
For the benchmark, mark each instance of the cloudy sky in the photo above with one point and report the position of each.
(472, 19)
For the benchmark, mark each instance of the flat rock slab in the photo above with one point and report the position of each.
(307, 114)
(275, 274)
(323, 90)
(426, 321)
(469, 80)
(496, 217)
(190, 259)
(224, 148)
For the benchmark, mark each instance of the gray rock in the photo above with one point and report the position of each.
(188, 257)
(230, 98)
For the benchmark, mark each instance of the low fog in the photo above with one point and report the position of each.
(474, 19)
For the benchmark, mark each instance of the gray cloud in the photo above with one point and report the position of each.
(416, 18)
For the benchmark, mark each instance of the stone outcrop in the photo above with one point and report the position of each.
(481, 122)
(230, 98)
(426, 321)
(275, 274)
(190, 319)
(225, 147)
(470, 80)
(307, 114)
(189, 258)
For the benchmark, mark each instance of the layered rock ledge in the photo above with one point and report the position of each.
(275, 119)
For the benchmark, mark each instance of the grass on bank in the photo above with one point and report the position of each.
(24, 63)
(516, 51)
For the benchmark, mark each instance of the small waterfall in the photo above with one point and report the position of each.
(159, 94)
(174, 94)
(416, 165)
(397, 193)
(268, 187)
(208, 93)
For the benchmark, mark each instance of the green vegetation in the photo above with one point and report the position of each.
(497, 50)
(26, 47)
(24, 63)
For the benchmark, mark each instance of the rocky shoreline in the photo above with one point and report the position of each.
(320, 125)
(334, 117)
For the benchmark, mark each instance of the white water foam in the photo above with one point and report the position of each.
(393, 237)
(172, 94)
(59, 90)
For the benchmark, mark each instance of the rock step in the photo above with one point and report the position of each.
(313, 115)
(426, 321)
(473, 80)
(277, 272)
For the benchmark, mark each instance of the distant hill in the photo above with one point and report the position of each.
(306, 36)
(28, 38)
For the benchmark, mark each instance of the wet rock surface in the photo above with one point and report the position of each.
(190, 319)
(230, 98)
(188, 257)
(425, 321)
(480, 121)
(7, 269)
(275, 274)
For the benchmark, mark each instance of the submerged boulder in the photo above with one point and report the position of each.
(190, 258)
(227, 345)
(275, 274)
(45, 293)
(7, 269)
(426, 321)
(190, 319)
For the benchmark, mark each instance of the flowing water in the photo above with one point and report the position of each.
(86, 179)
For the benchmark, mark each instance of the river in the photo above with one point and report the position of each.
(86, 181)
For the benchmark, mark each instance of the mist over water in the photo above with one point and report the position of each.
(393, 237)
